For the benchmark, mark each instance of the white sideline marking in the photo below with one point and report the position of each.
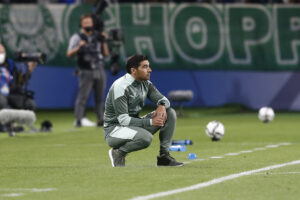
(285, 143)
(277, 173)
(28, 189)
(13, 195)
(259, 149)
(246, 151)
(216, 157)
(24, 190)
(241, 152)
(272, 146)
(200, 159)
(232, 154)
(43, 190)
(214, 181)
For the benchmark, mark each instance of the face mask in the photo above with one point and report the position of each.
(88, 28)
(2, 58)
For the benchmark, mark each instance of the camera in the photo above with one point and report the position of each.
(115, 36)
(21, 77)
(20, 56)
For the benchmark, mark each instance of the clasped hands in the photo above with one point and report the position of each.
(160, 116)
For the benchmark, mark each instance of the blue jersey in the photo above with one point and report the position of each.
(6, 77)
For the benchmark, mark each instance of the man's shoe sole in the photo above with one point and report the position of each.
(171, 165)
(111, 157)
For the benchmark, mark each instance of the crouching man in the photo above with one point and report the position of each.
(124, 130)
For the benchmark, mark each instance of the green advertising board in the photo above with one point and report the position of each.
(174, 36)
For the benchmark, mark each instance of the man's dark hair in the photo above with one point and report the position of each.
(134, 61)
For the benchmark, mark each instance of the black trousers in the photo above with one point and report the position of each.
(17, 101)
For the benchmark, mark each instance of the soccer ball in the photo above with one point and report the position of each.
(266, 114)
(215, 130)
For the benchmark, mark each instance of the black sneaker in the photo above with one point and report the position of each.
(167, 160)
(78, 123)
(117, 160)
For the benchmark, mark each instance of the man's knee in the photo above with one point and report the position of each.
(146, 140)
(171, 114)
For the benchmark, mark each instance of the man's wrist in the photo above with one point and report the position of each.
(161, 103)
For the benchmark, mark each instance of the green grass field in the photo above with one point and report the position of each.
(73, 164)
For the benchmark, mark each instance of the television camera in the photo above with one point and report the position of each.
(21, 76)
(115, 36)
(21, 56)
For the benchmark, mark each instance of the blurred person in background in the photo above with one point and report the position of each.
(124, 130)
(13, 79)
(90, 48)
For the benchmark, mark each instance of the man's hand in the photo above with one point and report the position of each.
(104, 34)
(157, 121)
(74, 51)
(82, 43)
(160, 116)
(31, 66)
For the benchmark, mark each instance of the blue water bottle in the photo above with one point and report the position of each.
(177, 148)
(192, 156)
(182, 142)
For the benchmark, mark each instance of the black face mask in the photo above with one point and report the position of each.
(88, 28)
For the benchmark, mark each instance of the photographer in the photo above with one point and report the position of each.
(12, 83)
(90, 48)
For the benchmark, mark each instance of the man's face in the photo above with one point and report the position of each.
(2, 49)
(87, 25)
(142, 73)
(2, 54)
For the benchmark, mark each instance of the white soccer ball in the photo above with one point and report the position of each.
(215, 130)
(266, 114)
